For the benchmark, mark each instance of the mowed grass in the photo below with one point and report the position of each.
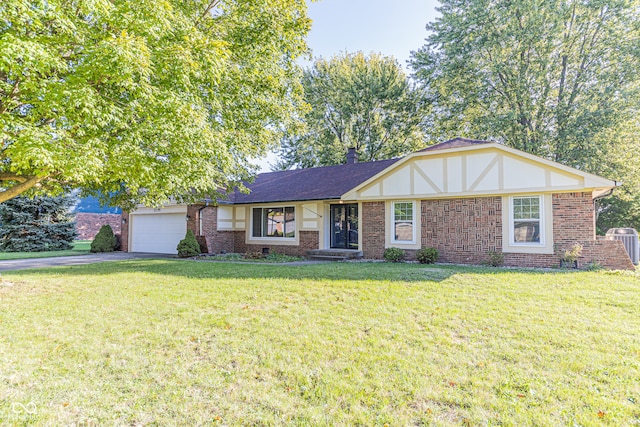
(168, 342)
(80, 247)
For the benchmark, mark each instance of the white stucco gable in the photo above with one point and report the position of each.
(478, 170)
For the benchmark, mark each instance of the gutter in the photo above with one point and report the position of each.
(607, 194)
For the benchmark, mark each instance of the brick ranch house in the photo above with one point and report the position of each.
(466, 198)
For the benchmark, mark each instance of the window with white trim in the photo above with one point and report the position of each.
(404, 220)
(527, 220)
(277, 222)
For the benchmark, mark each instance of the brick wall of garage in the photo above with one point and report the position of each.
(124, 232)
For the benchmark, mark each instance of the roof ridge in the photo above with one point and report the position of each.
(334, 166)
(455, 143)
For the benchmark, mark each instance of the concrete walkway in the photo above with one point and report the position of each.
(24, 264)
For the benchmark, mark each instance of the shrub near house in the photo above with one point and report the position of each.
(188, 246)
(105, 240)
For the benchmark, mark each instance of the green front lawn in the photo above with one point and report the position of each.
(80, 247)
(169, 342)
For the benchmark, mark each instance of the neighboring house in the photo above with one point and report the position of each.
(91, 216)
(464, 197)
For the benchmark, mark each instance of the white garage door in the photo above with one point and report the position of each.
(157, 233)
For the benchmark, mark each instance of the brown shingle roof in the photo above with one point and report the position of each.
(323, 183)
(329, 182)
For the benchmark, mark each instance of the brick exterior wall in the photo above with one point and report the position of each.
(372, 230)
(229, 241)
(463, 230)
(124, 232)
(308, 240)
(88, 224)
(217, 241)
(574, 219)
(573, 222)
(608, 253)
(193, 219)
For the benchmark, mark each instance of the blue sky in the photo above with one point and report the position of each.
(368, 26)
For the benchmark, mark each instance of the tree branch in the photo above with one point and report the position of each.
(10, 176)
(14, 91)
(18, 189)
(207, 10)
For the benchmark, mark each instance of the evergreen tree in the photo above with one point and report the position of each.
(105, 240)
(37, 224)
(188, 246)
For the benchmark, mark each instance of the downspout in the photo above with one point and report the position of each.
(607, 194)
(206, 205)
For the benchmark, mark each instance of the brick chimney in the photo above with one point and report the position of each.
(352, 156)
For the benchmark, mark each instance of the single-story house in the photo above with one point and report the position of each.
(467, 198)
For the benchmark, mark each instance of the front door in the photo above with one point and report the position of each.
(344, 226)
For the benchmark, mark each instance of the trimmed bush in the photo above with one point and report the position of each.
(427, 255)
(105, 240)
(393, 254)
(188, 246)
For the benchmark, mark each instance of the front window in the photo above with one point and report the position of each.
(403, 222)
(527, 219)
(274, 222)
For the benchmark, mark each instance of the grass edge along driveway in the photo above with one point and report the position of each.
(80, 247)
(180, 342)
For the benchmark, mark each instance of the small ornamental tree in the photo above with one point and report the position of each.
(105, 240)
(37, 224)
(188, 246)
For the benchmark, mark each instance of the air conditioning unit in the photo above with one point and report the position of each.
(629, 238)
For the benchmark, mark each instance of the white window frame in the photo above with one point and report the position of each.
(414, 223)
(541, 220)
(282, 238)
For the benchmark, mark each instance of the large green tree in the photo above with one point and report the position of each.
(356, 101)
(554, 78)
(144, 99)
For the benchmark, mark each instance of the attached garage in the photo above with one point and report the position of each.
(157, 230)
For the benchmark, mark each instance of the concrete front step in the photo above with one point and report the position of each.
(334, 254)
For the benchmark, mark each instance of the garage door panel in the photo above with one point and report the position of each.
(157, 233)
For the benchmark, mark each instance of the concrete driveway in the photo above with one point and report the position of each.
(24, 264)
